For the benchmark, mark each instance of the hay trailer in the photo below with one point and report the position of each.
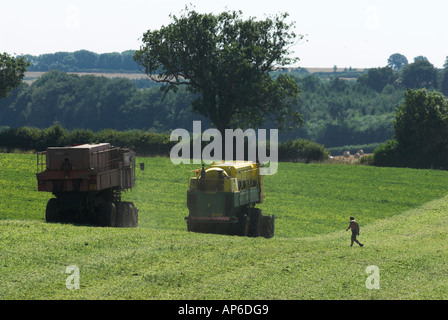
(87, 181)
(221, 199)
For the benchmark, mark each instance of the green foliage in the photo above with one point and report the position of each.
(95, 103)
(421, 133)
(83, 61)
(12, 71)
(79, 136)
(301, 150)
(143, 142)
(419, 74)
(336, 112)
(388, 155)
(30, 138)
(339, 113)
(367, 148)
(367, 160)
(421, 129)
(444, 83)
(226, 61)
(356, 115)
(397, 61)
(378, 78)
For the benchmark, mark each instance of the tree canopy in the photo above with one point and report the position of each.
(421, 127)
(419, 74)
(378, 78)
(84, 61)
(226, 61)
(421, 133)
(397, 61)
(12, 71)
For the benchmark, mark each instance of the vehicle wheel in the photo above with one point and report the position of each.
(255, 222)
(107, 215)
(133, 219)
(126, 215)
(190, 227)
(268, 226)
(121, 215)
(52, 211)
(195, 227)
(243, 225)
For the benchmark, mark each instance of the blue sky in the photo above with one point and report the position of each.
(345, 33)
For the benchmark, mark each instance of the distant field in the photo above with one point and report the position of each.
(314, 70)
(402, 213)
(32, 76)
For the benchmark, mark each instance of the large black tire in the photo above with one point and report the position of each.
(255, 222)
(106, 215)
(134, 216)
(192, 227)
(52, 211)
(242, 226)
(126, 215)
(204, 227)
(268, 226)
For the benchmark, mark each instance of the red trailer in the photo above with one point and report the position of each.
(87, 181)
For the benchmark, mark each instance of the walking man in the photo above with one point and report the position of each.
(355, 231)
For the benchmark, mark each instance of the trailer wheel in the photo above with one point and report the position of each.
(122, 215)
(52, 210)
(106, 215)
(126, 215)
(133, 223)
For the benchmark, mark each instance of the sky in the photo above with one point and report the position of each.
(342, 33)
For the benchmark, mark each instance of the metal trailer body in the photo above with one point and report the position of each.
(87, 181)
(221, 199)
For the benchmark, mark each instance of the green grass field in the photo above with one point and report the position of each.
(403, 215)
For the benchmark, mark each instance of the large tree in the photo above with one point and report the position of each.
(444, 83)
(378, 78)
(397, 61)
(419, 74)
(421, 129)
(226, 61)
(12, 71)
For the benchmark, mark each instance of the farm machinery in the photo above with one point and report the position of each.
(87, 181)
(221, 199)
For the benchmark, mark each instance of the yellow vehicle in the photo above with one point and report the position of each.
(222, 198)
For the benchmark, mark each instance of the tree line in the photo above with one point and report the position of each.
(336, 112)
(83, 61)
(143, 142)
(94, 103)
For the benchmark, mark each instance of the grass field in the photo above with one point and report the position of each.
(403, 215)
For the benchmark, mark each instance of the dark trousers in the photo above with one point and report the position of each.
(354, 234)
